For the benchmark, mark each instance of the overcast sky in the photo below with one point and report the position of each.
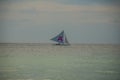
(36, 21)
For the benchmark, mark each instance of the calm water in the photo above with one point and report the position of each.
(48, 62)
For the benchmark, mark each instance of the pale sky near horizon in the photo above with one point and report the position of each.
(37, 21)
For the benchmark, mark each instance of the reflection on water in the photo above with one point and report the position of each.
(48, 62)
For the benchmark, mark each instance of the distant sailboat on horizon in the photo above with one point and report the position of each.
(61, 39)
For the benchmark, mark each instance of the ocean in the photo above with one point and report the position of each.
(50, 62)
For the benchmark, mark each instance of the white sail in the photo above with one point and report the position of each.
(66, 42)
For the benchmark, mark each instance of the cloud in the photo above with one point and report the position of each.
(54, 6)
(44, 12)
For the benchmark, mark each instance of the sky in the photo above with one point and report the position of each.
(37, 21)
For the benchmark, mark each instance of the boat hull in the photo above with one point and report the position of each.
(61, 44)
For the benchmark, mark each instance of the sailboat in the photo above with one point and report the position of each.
(61, 39)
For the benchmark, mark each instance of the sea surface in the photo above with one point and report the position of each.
(50, 62)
